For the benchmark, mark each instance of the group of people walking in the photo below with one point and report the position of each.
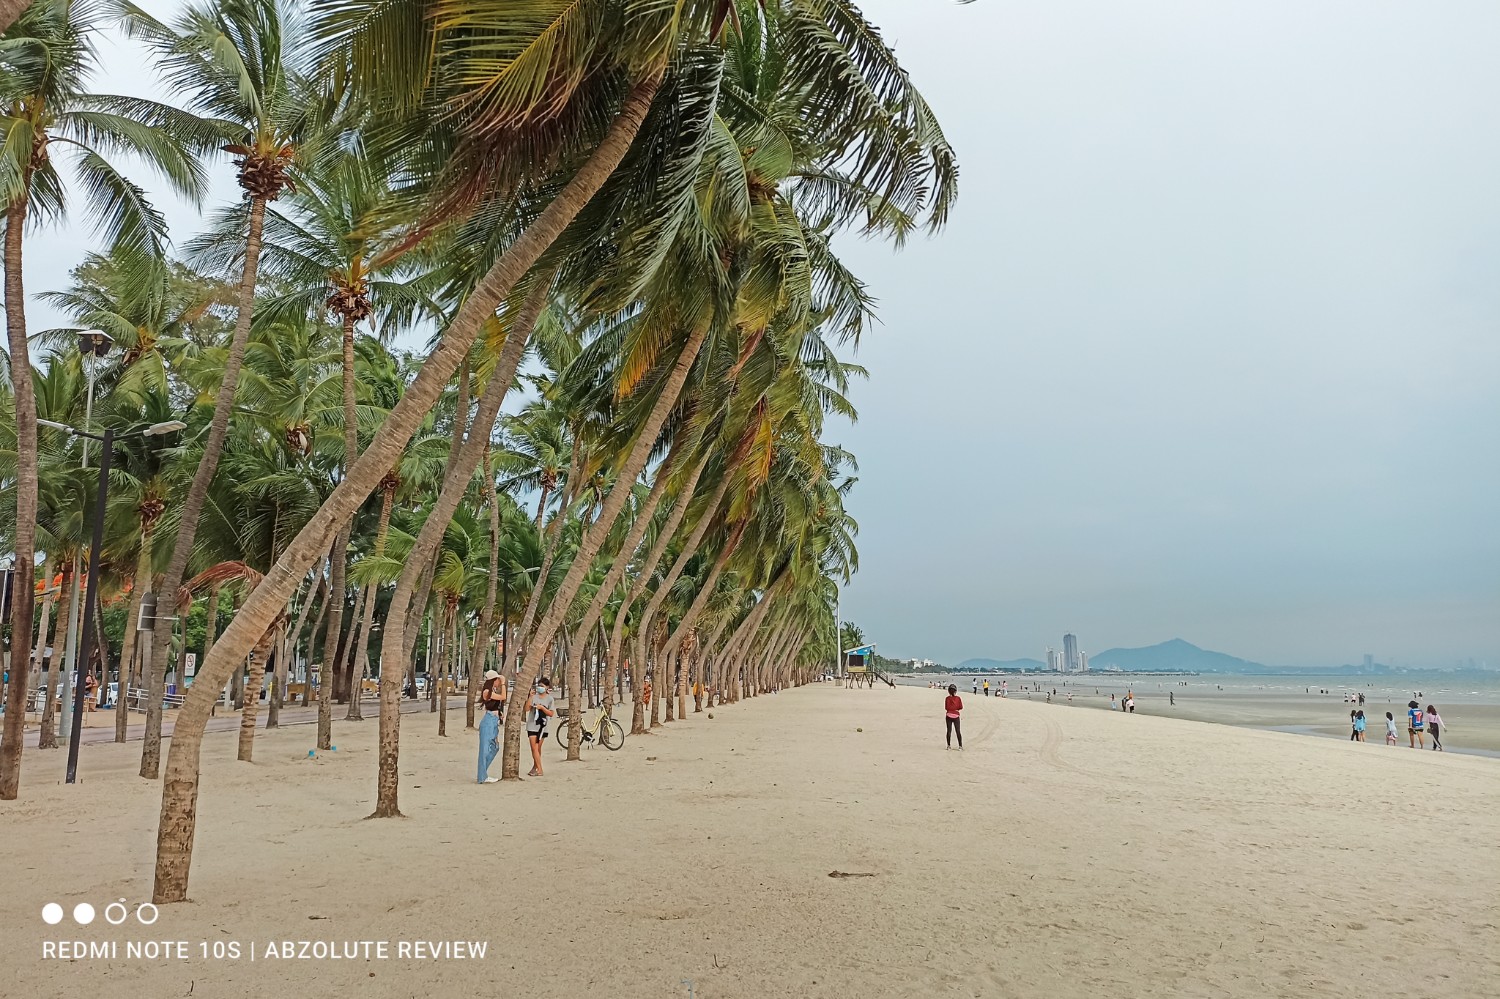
(540, 708)
(1420, 723)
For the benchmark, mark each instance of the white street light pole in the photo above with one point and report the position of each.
(838, 644)
(92, 345)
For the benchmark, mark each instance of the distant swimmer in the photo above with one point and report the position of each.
(952, 705)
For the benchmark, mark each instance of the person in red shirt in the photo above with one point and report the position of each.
(952, 705)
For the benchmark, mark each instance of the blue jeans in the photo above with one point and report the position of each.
(489, 747)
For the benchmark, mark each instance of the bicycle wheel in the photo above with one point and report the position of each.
(562, 734)
(612, 734)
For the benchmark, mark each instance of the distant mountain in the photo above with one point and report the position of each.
(1174, 655)
(987, 665)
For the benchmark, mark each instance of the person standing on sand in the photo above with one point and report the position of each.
(976, 686)
(538, 710)
(1435, 727)
(986, 688)
(1390, 729)
(1415, 724)
(1353, 728)
(1359, 727)
(491, 702)
(952, 705)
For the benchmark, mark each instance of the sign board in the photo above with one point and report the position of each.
(191, 667)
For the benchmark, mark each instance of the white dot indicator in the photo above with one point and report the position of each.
(83, 913)
(52, 913)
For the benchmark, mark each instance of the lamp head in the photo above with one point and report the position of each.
(94, 342)
(166, 427)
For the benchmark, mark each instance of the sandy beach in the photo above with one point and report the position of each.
(1064, 853)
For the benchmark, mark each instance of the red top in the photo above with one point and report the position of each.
(953, 704)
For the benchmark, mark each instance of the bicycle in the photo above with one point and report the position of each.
(605, 731)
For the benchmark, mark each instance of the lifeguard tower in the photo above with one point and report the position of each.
(859, 666)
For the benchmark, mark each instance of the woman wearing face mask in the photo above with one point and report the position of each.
(538, 710)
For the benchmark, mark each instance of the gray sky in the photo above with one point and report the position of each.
(1210, 349)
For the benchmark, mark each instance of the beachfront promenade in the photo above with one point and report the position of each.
(101, 724)
(1065, 853)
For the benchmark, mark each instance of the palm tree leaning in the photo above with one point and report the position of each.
(179, 795)
(233, 63)
(44, 62)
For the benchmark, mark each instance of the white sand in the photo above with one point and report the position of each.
(1065, 853)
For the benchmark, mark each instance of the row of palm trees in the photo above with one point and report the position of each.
(627, 207)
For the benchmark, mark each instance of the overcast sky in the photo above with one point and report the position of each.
(1211, 349)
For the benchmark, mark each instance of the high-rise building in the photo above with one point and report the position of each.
(1083, 658)
(1369, 661)
(1071, 663)
(1054, 660)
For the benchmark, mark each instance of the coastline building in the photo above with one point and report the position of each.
(1054, 660)
(1071, 662)
(1083, 662)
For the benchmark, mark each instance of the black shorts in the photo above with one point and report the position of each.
(537, 733)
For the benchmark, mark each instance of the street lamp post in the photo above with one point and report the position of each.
(92, 345)
(86, 641)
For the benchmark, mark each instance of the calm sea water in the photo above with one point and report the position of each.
(1451, 688)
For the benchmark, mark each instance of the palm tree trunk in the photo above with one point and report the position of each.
(487, 614)
(697, 679)
(333, 635)
(684, 556)
(637, 533)
(252, 695)
(10, 10)
(289, 649)
(593, 539)
(421, 559)
(364, 604)
(213, 448)
(638, 587)
(139, 584)
(446, 673)
(47, 738)
(180, 791)
(362, 643)
(706, 591)
(24, 542)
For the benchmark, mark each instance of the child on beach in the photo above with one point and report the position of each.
(1434, 727)
(1415, 725)
(1359, 727)
(952, 705)
(1390, 729)
(1353, 728)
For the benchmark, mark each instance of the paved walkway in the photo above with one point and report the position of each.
(101, 725)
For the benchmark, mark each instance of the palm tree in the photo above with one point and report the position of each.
(594, 77)
(44, 61)
(234, 63)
